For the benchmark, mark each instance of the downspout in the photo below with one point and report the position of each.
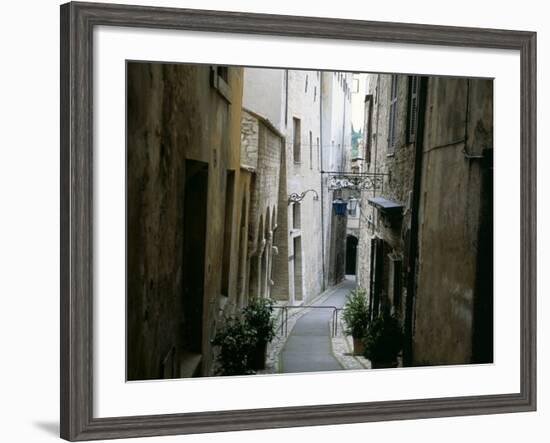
(342, 169)
(342, 161)
(377, 96)
(321, 144)
(413, 236)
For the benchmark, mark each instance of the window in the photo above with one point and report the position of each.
(296, 216)
(315, 93)
(368, 127)
(219, 79)
(223, 72)
(297, 138)
(412, 117)
(393, 115)
(297, 258)
(306, 83)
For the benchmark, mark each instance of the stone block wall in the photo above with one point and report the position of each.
(261, 146)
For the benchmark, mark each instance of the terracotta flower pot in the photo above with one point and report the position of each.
(358, 346)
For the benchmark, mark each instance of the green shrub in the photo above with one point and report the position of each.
(356, 313)
(235, 340)
(238, 338)
(259, 318)
(384, 339)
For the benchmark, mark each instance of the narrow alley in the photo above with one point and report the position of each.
(308, 347)
(259, 194)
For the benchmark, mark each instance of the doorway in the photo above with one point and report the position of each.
(351, 254)
(298, 289)
(193, 262)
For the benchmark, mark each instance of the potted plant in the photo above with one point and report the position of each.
(258, 317)
(235, 341)
(383, 341)
(356, 316)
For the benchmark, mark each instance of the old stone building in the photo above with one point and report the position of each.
(305, 107)
(261, 152)
(187, 206)
(336, 136)
(425, 249)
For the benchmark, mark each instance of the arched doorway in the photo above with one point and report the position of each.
(351, 254)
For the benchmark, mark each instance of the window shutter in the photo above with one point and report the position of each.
(413, 108)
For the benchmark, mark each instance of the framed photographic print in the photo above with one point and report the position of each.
(273, 221)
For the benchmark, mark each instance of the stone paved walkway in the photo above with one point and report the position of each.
(309, 345)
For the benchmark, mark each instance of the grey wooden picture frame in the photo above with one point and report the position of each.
(77, 23)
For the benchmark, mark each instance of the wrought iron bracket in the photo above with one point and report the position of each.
(296, 198)
(357, 181)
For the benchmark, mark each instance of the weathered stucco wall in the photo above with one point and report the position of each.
(176, 115)
(452, 219)
(264, 93)
(304, 104)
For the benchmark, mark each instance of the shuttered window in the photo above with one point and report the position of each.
(412, 120)
(392, 136)
(368, 128)
(297, 145)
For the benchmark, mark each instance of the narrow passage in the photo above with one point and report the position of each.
(308, 347)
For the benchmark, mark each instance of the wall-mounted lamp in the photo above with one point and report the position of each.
(295, 198)
(339, 206)
(352, 203)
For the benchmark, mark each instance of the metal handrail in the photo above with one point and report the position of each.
(284, 316)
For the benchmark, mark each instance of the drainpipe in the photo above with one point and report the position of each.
(413, 237)
(342, 161)
(321, 144)
(377, 96)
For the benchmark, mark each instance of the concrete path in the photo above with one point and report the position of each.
(308, 347)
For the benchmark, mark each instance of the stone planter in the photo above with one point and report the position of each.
(358, 346)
